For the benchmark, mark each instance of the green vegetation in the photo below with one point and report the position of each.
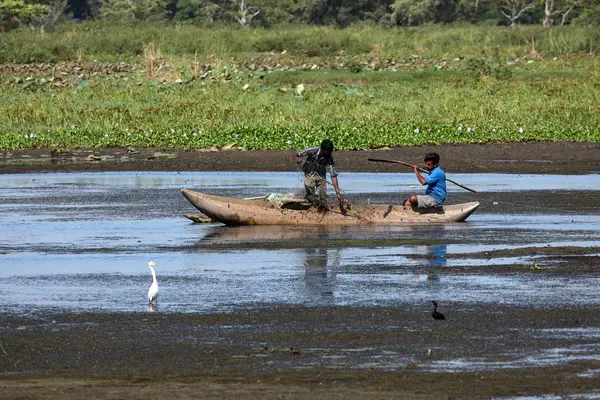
(126, 42)
(362, 87)
(43, 14)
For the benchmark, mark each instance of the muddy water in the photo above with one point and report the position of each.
(82, 241)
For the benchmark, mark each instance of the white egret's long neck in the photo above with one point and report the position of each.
(153, 273)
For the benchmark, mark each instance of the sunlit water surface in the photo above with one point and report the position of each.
(82, 241)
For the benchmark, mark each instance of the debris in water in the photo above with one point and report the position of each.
(94, 157)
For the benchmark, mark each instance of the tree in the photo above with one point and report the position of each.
(515, 10)
(38, 14)
(197, 10)
(570, 7)
(548, 9)
(470, 9)
(16, 11)
(414, 12)
(133, 9)
(246, 13)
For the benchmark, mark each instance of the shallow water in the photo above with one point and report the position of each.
(81, 242)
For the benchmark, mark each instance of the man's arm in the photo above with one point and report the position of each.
(299, 154)
(336, 186)
(303, 153)
(422, 180)
(334, 180)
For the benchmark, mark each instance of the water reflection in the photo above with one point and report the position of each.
(437, 255)
(320, 268)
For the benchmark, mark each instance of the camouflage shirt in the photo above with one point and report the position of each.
(316, 163)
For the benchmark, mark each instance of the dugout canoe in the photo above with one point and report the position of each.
(232, 211)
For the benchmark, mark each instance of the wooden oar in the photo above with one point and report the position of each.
(420, 169)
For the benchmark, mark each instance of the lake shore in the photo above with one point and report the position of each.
(268, 351)
(513, 158)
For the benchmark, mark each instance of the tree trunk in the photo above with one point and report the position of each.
(246, 13)
(475, 12)
(563, 20)
(516, 8)
(548, 8)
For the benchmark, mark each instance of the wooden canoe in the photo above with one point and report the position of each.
(231, 211)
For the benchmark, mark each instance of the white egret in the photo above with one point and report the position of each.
(153, 291)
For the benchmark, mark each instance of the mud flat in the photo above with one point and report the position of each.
(255, 312)
(339, 352)
(528, 157)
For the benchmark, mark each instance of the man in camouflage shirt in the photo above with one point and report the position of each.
(318, 162)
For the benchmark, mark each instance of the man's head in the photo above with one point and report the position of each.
(431, 160)
(326, 147)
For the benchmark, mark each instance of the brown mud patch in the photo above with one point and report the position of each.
(514, 158)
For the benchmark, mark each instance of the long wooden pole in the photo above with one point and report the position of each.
(420, 169)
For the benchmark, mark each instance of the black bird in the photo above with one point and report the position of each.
(436, 314)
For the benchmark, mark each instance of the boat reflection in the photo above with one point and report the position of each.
(358, 235)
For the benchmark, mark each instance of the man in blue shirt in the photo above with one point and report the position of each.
(435, 194)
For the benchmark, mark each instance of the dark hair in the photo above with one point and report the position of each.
(327, 145)
(435, 157)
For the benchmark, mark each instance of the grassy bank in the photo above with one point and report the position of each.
(363, 110)
(125, 42)
(457, 90)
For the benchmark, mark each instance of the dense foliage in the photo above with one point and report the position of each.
(44, 13)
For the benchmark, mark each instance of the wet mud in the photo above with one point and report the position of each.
(477, 352)
(257, 312)
(515, 158)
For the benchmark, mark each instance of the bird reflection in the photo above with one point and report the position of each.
(152, 307)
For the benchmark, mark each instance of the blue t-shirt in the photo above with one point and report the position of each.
(436, 185)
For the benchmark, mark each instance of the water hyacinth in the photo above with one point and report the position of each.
(521, 130)
(460, 127)
(416, 131)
